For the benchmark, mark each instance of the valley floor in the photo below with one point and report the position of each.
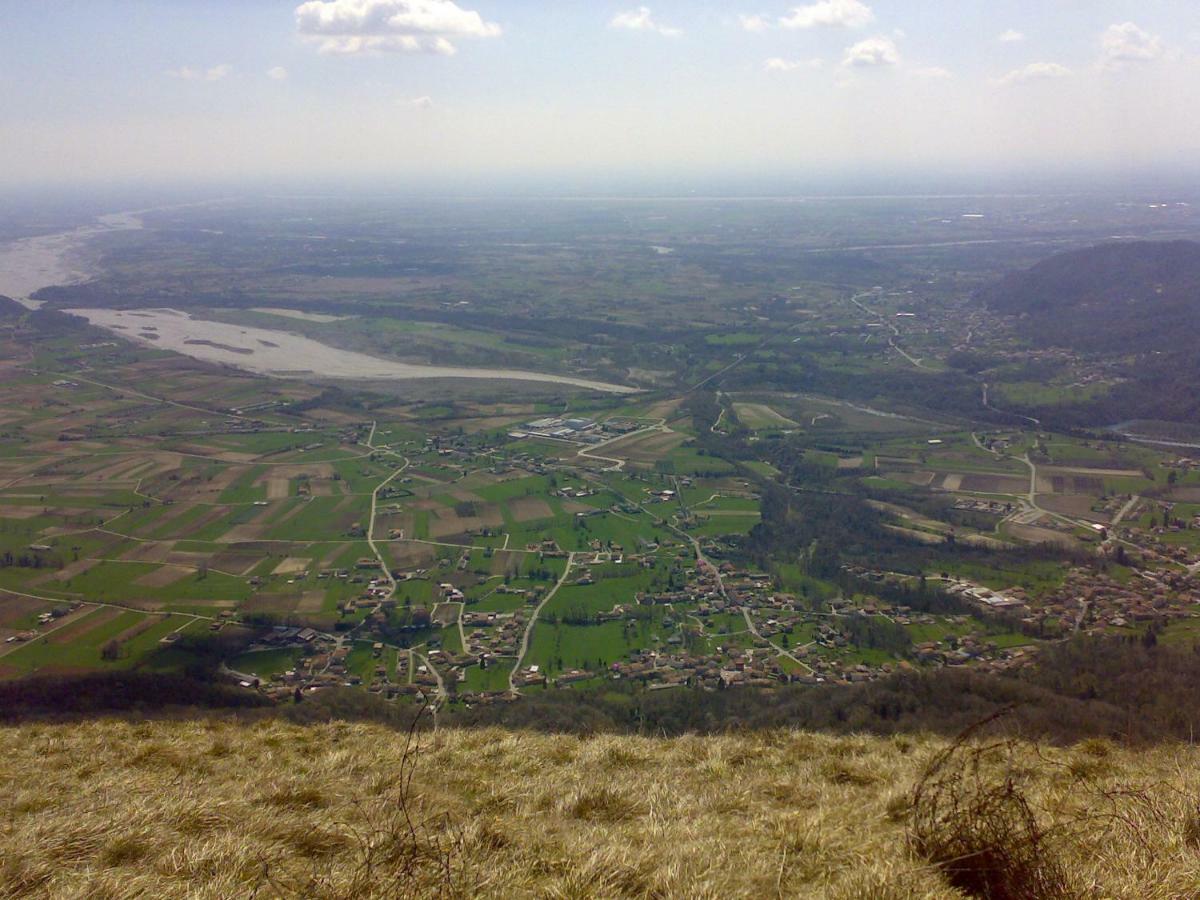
(216, 809)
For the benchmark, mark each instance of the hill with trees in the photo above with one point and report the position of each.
(1132, 307)
(1125, 297)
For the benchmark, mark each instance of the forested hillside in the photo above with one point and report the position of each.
(1119, 297)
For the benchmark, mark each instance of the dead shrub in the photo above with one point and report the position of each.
(1098, 748)
(1191, 827)
(394, 851)
(971, 819)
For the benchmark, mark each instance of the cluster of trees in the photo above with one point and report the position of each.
(24, 560)
(1135, 689)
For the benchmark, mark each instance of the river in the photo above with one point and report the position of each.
(33, 263)
(282, 354)
(30, 264)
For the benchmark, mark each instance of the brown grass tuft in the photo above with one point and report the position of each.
(600, 805)
(296, 797)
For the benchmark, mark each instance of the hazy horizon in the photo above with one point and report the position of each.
(432, 94)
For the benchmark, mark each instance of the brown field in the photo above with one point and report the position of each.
(182, 531)
(223, 479)
(922, 536)
(893, 462)
(490, 514)
(505, 562)
(14, 608)
(331, 557)
(1086, 470)
(411, 555)
(662, 409)
(1078, 505)
(452, 525)
(326, 488)
(760, 415)
(19, 512)
(445, 613)
(394, 522)
(83, 623)
(1037, 535)
(311, 602)
(189, 558)
(923, 479)
(1070, 484)
(240, 534)
(528, 509)
(163, 577)
(293, 565)
(486, 423)
(148, 551)
(211, 452)
(272, 603)
(254, 529)
(236, 562)
(70, 570)
(135, 629)
(277, 488)
(995, 484)
(173, 512)
(210, 603)
(645, 448)
(274, 516)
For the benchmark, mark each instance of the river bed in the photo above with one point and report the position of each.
(29, 264)
(282, 354)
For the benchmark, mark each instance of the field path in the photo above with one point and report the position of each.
(512, 675)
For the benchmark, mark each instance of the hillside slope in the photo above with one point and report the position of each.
(216, 809)
(1129, 297)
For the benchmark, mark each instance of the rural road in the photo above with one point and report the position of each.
(895, 331)
(512, 675)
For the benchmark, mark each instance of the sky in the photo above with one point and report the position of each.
(435, 91)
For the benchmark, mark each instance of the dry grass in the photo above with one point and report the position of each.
(215, 809)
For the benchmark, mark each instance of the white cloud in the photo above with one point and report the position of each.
(933, 73)
(875, 51)
(1033, 72)
(753, 23)
(1011, 36)
(779, 64)
(829, 14)
(278, 73)
(423, 102)
(1126, 43)
(641, 19)
(188, 73)
(398, 26)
